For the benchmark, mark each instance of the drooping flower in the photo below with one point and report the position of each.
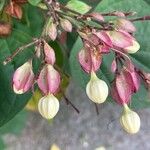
(130, 120)
(96, 89)
(133, 78)
(121, 89)
(23, 78)
(89, 58)
(48, 106)
(48, 80)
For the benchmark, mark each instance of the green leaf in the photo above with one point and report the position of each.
(78, 6)
(2, 144)
(34, 2)
(141, 59)
(2, 2)
(10, 103)
(16, 125)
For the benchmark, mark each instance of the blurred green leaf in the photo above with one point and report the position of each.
(140, 99)
(15, 125)
(2, 144)
(78, 6)
(2, 2)
(10, 103)
(34, 2)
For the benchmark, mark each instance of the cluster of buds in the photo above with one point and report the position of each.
(48, 81)
(118, 39)
(115, 36)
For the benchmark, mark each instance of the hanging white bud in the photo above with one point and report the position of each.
(48, 106)
(96, 89)
(130, 120)
(134, 48)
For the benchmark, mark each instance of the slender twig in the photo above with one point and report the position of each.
(145, 18)
(96, 108)
(50, 7)
(114, 13)
(71, 104)
(18, 50)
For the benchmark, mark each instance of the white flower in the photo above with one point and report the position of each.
(96, 89)
(48, 106)
(130, 120)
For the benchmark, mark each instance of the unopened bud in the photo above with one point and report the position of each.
(23, 78)
(14, 10)
(130, 120)
(66, 25)
(5, 29)
(49, 79)
(51, 29)
(48, 106)
(49, 54)
(121, 89)
(120, 39)
(124, 24)
(96, 89)
(89, 59)
(133, 48)
(97, 16)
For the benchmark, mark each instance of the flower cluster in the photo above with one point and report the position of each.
(120, 41)
(113, 36)
(48, 81)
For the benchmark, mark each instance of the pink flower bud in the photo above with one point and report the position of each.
(97, 16)
(114, 66)
(23, 78)
(124, 24)
(49, 54)
(121, 91)
(38, 50)
(48, 80)
(66, 25)
(133, 79)
(52, 31)
(89, 59)
(118, 13)
(120, 39)
(104, 38)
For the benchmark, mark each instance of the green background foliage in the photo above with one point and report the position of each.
(31, 26)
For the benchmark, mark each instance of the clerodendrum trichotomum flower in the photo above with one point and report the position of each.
(23, 78)
(48, 82)
(48, 106)
(130, 120)
(96, 89)
(103, 39)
